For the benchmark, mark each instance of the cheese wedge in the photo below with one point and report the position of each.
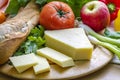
(24, 62)
(56, 57)
(42, 66)
(72, 42)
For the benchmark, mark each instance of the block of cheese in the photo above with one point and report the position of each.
(24, 62)
(56, 57)
(42, 66)
(72, 42)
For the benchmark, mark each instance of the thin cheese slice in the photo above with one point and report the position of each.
(56, 57)
(72, 42)
(42, 66)
(24, 62)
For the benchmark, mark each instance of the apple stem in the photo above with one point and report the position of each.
(91, 7)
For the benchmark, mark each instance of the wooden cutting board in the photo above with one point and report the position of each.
(100, 58)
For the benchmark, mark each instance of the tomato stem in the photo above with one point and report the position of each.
(61, 13)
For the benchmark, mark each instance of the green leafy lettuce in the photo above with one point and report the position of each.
(33, 42)
(15, 5)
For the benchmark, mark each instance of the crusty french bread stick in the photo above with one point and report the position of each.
(14, 31)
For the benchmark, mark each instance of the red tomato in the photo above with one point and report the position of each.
(57, 15)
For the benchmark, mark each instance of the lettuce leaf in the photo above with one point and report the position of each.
(41, 2)
(14, 6)
(33, 42)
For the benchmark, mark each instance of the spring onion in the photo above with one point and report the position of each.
(112, 34)
(111, 47)
(100, 37)
(33, 42)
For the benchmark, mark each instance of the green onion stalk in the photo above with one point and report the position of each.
(100, 37)
(111, 47)
(111, 44)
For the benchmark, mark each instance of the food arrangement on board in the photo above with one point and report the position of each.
(38, 34)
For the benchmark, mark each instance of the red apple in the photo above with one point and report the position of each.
(96, 15)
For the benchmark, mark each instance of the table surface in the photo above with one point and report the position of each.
(108, 72)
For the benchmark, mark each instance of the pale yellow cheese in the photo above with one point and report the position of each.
(42, 66)
(24, 62)
(56, 57)
(72, 42)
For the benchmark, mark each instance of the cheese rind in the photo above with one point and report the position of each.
(72, 42)
(24, 62)
(42, 66)
(56, 57)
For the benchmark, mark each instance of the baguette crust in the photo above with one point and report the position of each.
(14, 31)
